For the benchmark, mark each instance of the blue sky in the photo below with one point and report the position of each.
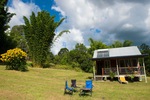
(43, 5)
(103, 20)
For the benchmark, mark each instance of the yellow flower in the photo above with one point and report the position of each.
(13, 54)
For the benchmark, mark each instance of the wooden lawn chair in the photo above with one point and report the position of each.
(122, 80)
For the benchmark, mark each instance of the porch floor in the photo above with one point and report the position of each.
(105, 77)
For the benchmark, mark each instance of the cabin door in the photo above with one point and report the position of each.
(100, 65)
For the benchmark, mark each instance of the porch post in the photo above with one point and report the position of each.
(94, 72)
(117, 67)
(144, 71)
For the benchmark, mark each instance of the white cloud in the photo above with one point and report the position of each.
(79, 12)
(147, 20)
(127, 26)
(21, 9)
(68, 40)
(58, 10)
(117, 20)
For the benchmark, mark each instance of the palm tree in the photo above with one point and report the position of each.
(39, 33)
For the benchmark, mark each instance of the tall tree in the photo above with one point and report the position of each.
(5, 41)
(39, 33)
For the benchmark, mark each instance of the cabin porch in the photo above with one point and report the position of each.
(120, 67)
(138, 73)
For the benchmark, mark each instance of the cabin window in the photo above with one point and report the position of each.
(101, 54)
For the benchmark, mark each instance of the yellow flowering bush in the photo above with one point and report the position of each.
(15, 59)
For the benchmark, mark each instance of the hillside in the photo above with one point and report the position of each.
(48, 84)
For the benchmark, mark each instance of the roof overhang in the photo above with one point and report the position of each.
(119, 57)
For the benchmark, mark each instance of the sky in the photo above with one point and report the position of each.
(103, 20)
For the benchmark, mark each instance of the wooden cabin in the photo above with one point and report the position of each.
(123, 61)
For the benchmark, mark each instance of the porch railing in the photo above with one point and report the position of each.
(124, 70)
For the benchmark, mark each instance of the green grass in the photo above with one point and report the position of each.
(48, 84)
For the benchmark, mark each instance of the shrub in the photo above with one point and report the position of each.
(75, 64)
(111, 74)
(15, 59)
(29, 63)
(48, 65)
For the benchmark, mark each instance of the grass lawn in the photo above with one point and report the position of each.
(48, 84)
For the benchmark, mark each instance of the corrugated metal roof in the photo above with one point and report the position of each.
(118, 52)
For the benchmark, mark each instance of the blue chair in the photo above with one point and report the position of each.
(87, 89)
(68, 90)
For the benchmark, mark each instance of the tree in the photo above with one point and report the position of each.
(63, 51)
(117, 44)
(79, 57)
(96, 45)
(145, 49)
(5, 41)
(17, 34)
(39, 33)
(127, 43)
(62, 57)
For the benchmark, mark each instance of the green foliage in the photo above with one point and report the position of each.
(61, 33)
(63, 56)
(50, 57)
(79, 57)
(48, 65)
(111, 74)
(63, 51)
(96, 45)
(5, 16)
(5, 41)
(131, 77)
(117, 44)
(145, 49)
(57, 59)
(29, 64)
(75, 65)
(39, 33)
(17, 34)
(127, 43)
(15, 59)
